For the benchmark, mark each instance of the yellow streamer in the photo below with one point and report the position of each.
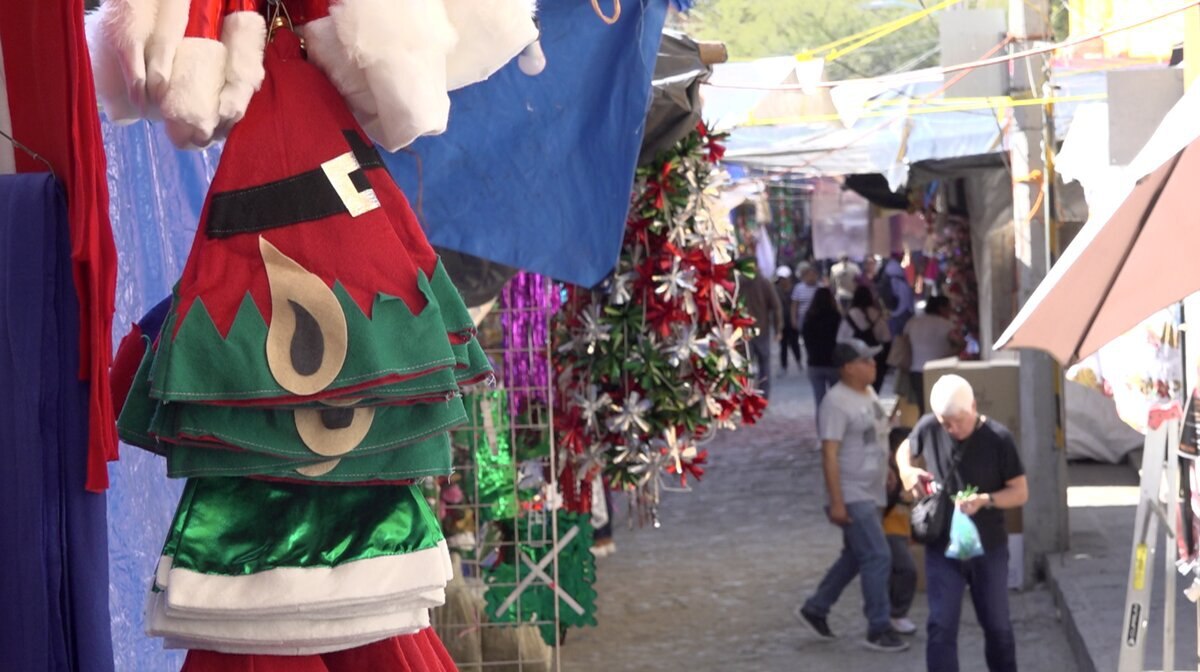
(865, 37)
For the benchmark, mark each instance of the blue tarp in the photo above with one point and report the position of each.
(535, 172)
(157, 193)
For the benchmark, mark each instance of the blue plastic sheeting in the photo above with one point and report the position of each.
(886, 144)
(157, 194)
(536, 172)
(53, 588)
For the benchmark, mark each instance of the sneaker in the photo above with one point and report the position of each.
(818, 624)
(887, 640)
(904, 626)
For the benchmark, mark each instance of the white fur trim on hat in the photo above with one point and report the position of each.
(244, 35)
(327, 53)
(401, 48)
(192, 99)
(490, 34)
(117, 34)
(164, 40)
(107, 73)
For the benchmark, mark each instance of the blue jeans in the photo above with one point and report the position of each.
(987, 577)
(822, 378)
(865, 551)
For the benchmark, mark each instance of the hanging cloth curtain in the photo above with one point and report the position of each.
(54, 583)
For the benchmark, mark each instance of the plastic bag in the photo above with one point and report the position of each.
(964, 538)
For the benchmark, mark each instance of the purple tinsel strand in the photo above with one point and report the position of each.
(527, 303)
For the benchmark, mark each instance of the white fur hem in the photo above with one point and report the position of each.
(281, 632)
(190, 106)
(296, 589)
(326, 51)
(108, 73)
(244, 35)
(490, 34)
(169, 26)
(401, 48)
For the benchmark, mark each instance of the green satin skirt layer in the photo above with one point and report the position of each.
(430, 457)
(238, 526)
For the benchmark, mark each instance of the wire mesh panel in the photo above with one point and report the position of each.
(519, 561)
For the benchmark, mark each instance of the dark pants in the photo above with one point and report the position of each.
(903, 585)
(881, 367)
(791, 341)
(865, 553)
(822, 378)
(760, 346)
(987, 578)
(916, 380)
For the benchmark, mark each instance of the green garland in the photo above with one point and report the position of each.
(535, 604)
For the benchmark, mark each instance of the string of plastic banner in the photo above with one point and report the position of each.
(998, 103)
(972, 65)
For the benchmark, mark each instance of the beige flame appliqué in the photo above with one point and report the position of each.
(307, 339)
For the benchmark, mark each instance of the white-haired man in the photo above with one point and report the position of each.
(989, 461)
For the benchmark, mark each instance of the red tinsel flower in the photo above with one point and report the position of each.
(753, 406)
(694, 467)
(716, 151)
(658, 187)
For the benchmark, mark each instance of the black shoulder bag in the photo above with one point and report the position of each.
(931, 514)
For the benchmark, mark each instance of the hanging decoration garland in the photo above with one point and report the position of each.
(523, 585)
(491, 484)
(961, 286)
(653, 362)
(527, 302)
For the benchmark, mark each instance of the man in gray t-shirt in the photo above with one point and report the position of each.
(854, 455)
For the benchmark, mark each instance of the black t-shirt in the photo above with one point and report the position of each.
(989, 461)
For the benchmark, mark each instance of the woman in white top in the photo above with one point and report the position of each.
(867, 322)
(933, 336)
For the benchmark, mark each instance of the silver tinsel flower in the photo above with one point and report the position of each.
(727, 344)
(631, 414)
(591, 459)
(677, 282)
(594, 329)
(674, 447)
(684, 345)
(681, 233)
(710, 406)
(591, 404)
(621, 289)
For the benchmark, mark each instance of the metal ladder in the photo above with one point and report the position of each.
(1161, 450)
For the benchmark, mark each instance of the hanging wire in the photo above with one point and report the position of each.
(21, 146)
(609, 20)
(278, 17)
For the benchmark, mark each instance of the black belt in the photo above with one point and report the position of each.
(303, 198)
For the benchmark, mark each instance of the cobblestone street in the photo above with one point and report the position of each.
(715, 587)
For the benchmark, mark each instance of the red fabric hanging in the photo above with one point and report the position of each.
(52, 103)
(420, 652)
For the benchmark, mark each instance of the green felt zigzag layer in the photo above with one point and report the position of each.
(199, 366)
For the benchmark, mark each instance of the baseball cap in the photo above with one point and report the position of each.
(852, 351)
(783, 272)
